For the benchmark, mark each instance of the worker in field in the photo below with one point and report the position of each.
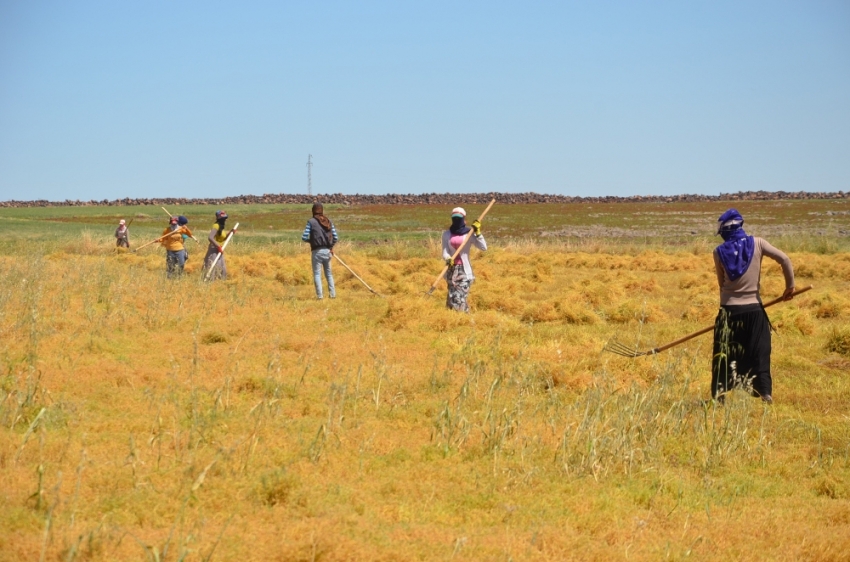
(217, 236)
(175, 250)
(122, 235)
(459, 274)
(742, 329)
(321, 234)
(181, 222)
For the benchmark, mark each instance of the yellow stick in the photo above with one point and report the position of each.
(357, 276)
(160, 239)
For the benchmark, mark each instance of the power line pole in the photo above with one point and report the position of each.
(309, 175)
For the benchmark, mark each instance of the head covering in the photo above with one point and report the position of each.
(319, 215)
(122, 222)
(736, 252)
(458, 226)
(181, 220)
(172, 220)
(220, 215)
(729, 221)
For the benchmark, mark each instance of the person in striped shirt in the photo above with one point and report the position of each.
(321, 234)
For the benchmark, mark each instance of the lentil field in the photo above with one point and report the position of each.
(143, 418)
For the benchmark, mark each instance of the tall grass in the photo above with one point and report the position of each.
(142, 417)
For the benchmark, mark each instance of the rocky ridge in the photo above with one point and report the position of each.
(433, 199)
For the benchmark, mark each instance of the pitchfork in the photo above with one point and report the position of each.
(618, 348)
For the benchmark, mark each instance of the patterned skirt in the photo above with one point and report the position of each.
(458, 289)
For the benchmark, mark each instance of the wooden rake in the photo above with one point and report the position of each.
(373, 291)
(161, 238)
(617, 348)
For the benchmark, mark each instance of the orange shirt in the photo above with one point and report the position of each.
(174, 242)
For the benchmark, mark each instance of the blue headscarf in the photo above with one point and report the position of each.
(736, 252)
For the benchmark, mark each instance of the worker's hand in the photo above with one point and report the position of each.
(788, 294)
(476, 228)
(220, 249)
(449, 262)
(332, 251)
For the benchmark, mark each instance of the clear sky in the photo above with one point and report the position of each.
(205, 99)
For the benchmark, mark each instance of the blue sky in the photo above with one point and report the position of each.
(206, 99)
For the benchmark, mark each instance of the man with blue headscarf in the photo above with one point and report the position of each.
(742, 329)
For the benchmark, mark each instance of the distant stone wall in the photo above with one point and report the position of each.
(434, 199)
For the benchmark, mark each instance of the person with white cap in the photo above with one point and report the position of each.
(122, 235)
(742, 343)
(459, 274)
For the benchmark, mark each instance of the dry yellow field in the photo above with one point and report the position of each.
(149, 419)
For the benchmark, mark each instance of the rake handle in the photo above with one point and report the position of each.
(710, 328)
(355, 275)
(459, 249)
(163, 237)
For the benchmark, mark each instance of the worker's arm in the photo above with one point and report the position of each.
(719, 270)
(784, 262)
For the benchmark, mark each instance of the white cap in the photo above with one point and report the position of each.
(459, 211)
(121, 221)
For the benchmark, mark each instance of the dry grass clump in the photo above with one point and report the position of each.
(839, 341)
(213, 337)
(89, 244)
(633, 310)
(291, 274)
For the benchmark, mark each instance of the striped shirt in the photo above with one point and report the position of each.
(305, 237)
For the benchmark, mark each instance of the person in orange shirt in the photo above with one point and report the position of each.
(175, 251)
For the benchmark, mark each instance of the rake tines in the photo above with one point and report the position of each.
(617, 348)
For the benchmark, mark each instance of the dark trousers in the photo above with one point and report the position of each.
(741, 350)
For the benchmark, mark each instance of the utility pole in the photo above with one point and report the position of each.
(309, 175)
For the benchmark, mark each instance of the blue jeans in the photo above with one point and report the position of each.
(321, 259)
(174, 262)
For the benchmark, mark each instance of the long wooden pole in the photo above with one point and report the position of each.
(172, 216)
(357, 276)
(218, 255)
(710, 328)
(161, 238)
(459, 249)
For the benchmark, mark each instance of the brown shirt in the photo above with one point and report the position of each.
(745, 289)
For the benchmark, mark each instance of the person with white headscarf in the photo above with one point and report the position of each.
(459, 274)
(122, 235)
